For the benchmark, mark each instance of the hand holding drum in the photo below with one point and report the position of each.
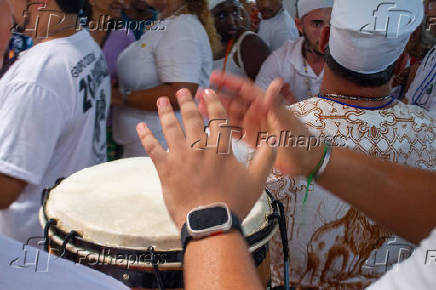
(193, 173)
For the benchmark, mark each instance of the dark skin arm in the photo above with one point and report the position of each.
(254, 51)
(11, 189)
(146, 99)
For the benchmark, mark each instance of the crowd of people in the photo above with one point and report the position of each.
(357, 201)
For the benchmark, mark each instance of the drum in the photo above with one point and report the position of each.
(112, 217)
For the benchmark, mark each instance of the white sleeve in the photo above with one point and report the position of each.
(270, 70)
(31, 121)
(179, 55)
(417, 272)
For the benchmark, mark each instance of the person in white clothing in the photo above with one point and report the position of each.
(53, 108)
(422, 91)
(300, 63)
(176, 53)
(243, 51)
(354, 110)
(417, 272)
(276, 26)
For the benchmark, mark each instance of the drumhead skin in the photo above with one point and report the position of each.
(120, 204)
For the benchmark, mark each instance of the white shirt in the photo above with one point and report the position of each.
(288, 63)
(26, 267)
(53, 106)
(417, 272)
(332, 244)
(178, 51)
(422, 91)
(278, 29)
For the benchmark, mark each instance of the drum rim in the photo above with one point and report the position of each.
(254, 240)
(80, 251)
(252, 236)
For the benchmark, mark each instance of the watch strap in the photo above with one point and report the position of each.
(185, 237)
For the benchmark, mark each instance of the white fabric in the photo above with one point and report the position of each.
(333, 245)
(179, 53)
(214, 3)
(422, 91)
(232, 67)
(126, 211)
(287, 62)
(277, 30)
(417, 272)
(378, 30)
(305, 6)
(26, 267)
(47, 131)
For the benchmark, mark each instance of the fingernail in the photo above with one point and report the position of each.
(209, 94)
(141, 128)
(182, 93)
(163, 102)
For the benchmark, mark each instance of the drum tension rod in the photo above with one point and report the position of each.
(155, 263)
(71, 236)
(283, 234)
(50, 222)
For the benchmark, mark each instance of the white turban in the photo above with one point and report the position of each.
(368, 36)
(214, 3)
(305, 6)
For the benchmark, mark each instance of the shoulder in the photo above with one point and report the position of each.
(28, 100)
(284, 17)
(31, 64)
(14, 93)
(420, 115)
(291, 46)
(185, 27)
(186, 24)
(252, 40)
(51, 61)
(287, 52)
(310, 104)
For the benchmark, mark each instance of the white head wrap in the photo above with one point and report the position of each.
(368, 36)
(214, 3)
(305, 6)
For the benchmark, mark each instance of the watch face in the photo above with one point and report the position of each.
(208, 218)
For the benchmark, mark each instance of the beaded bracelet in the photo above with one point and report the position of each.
(319, 169)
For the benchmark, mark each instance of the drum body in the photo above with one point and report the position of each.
(112, 218)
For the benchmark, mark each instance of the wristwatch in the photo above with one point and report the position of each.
(210, 220)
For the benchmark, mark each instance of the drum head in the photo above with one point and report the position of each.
(120, 204)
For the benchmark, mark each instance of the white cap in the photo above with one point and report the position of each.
(214, 3)
(305, 6)
(367, 36)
